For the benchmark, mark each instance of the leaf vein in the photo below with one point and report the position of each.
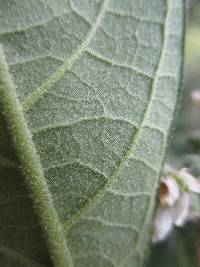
(108, 61)
(126, 157)
(87, 119)
(56, 76)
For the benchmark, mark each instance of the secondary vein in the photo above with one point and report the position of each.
(56, 76)
(151, 202)
(124, 160)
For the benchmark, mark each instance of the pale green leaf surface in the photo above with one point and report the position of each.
(98, 82)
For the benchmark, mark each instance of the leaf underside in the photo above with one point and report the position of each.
(96, 87)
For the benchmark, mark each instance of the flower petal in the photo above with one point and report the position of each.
(192, 183)
(162, 225)
(179, 211)
(172, 192)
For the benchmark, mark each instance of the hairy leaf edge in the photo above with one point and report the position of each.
(175, 115)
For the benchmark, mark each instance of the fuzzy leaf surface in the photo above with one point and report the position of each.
(95, 89)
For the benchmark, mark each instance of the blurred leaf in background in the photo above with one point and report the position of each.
(179, 250)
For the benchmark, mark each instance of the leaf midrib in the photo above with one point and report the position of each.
(33, 173)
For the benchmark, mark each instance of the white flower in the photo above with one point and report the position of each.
(174, 202)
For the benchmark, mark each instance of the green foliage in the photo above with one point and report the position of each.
(87, 106)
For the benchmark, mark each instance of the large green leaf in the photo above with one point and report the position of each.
(88, 101)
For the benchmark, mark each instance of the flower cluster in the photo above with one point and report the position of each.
(174, 202)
